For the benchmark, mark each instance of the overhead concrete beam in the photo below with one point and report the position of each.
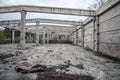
(41, 21)
(51, 10)
(47, 25)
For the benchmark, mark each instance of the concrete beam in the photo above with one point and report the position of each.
(51, 10)
(48, 25)
(41, 21)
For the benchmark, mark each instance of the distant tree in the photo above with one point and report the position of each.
(97, 4)
(8, 33)
(2, 37)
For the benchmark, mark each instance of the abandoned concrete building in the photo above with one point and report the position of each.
(51, 49)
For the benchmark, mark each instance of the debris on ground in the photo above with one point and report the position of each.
(55, 61)
(2, 56)
(59, 76)
(26, 67)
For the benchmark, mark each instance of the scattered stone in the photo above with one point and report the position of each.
(4, 61)
(13, 63)
(80, 66)
(18, 53)
(50, 50)
(2, 56)
(37, 56)
(25, 59)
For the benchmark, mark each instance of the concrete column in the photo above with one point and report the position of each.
(94, 41)
(44, 36)
(37, 33)
(22, 33)
(30, 37)
(57, 37)
(97, 34)
(76, 37)
(13, 36)
(82, 36)
(76, 33)
(47, 37)
(73, 38)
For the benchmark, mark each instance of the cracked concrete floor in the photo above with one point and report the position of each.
(58, 54)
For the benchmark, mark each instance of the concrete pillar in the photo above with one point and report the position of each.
(73, 38)
(37, 33)
(97, 34)
(94, 41)
(57, 37)
(82, 36)
(47, 37)
(76, 37)
(22, 33)
(13, 36)
(44, 36)
(30, 37)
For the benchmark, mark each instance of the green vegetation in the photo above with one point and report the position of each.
(2, 37)
(60, 41)
(5, 36)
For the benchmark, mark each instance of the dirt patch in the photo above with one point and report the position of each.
(60, 76)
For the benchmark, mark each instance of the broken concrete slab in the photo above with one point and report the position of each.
(26, 67)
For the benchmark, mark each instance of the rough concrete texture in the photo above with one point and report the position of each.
(55, 55)
(109, 31)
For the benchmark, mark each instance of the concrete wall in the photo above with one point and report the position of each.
(88, 35)
(108, 29)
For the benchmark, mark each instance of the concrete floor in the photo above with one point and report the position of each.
(58, 54)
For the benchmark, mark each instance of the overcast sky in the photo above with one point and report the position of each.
(79, 4)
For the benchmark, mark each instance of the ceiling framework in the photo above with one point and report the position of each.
(64, 22)
(49, 28)
(51, 10)
(23, 9)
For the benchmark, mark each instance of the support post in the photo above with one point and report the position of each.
(97, 34)
(47, 37)
(22, 33)
(76, 37)
(44, 35)
(30, 37)
(57, 37)
(82, 35)
(37, 33)
(73, 38)
(94, 30)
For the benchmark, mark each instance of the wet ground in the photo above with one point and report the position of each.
(63, 61)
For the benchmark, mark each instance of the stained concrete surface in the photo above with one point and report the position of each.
(81, 61)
